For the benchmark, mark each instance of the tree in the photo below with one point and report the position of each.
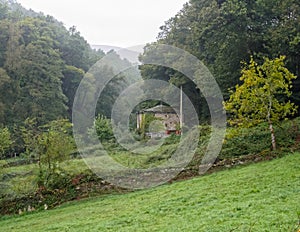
(40, 76)
(6, 95)
(29, 134)
(5, 141)
(71, 81)
(54, 145)
(260, 96)
(55, 142)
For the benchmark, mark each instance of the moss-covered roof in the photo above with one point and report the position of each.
(159, 109)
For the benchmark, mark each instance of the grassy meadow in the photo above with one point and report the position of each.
(259, 197)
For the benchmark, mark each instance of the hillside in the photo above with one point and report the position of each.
(260, 197)
(49, 146)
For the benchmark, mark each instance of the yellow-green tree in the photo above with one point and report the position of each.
(5, 141)
(54, 145)
(260, 96)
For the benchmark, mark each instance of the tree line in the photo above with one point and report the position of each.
(225, 34)
(41, 66)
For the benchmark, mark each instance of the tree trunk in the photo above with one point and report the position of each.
(273, 139)
(270, 123)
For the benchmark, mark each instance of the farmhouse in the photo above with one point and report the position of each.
(168, 117)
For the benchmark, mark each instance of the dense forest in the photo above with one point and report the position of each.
(223, 34)
(41, 66)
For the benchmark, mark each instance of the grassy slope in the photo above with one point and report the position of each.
(260, 197)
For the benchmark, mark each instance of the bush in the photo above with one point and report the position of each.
(252, 141)
(103, 128)
(257, 140)
(172, 139)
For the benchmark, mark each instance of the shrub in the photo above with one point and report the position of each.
(103, 128)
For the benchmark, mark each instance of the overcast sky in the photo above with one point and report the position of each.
(120, 23)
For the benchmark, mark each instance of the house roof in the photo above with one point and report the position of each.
(159, 109)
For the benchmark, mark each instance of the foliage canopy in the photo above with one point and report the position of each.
(260, 97)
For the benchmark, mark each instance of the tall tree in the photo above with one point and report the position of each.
(259, 97)
(5, 141)
(40, 79)
(7, 92)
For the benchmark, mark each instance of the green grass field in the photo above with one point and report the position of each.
(259, 197)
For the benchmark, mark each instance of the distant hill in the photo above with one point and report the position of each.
(106, 48)
(131, 54)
